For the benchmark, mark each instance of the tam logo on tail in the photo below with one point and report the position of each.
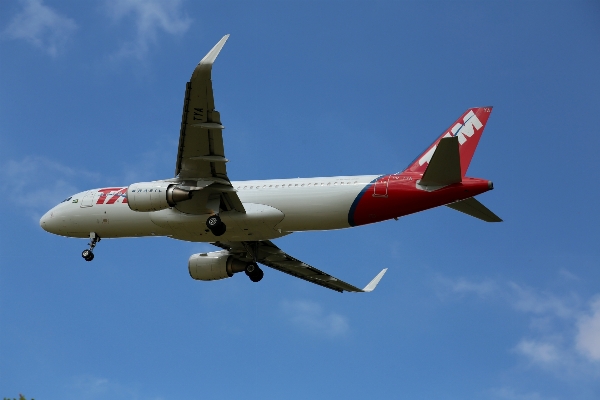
(468, 129)
(464, 130)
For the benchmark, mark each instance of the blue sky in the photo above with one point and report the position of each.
(91, 96)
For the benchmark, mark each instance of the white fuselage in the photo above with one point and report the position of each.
(274, 208)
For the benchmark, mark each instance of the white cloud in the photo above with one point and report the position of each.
(542, 353)
(565, 273)
(465, 286)
(588, 333)
(41, 26)
(564, 335)
(532, 301)
(150, 17)
(88, 387)
(38, 183)
(310, 317)
(506, 393)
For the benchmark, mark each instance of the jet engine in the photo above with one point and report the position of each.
(215, 265)
(154, 196)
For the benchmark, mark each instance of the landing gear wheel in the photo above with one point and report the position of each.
(218, 231)
(216, 226)
(87, 255)
(213, 221)
(254, 272)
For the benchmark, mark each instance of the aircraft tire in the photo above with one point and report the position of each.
(257, 276)
(213, 222)
(219, 229)
(250, 268)
(254, 272)
(87, 255)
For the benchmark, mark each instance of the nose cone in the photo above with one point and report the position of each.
(44, 221)
(50, 222)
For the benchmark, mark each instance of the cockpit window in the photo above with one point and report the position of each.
(67, 199)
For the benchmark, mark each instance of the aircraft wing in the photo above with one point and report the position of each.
(272, 256)
(201, 155)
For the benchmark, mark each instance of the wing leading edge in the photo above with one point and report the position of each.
(272, 256)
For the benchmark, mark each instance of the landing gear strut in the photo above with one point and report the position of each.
(216, 226)
(88, 254)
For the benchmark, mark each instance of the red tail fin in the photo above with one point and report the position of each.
(468, 128)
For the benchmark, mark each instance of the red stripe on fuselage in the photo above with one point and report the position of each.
(402, 197)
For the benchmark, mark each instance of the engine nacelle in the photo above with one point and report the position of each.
(154, 196)
(214, 265)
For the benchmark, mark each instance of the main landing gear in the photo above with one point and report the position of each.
(252, 269)
(254, 272)
(88, 254)
(216, 226)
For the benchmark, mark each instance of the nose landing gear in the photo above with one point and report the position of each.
(88, 254)
(216, 226)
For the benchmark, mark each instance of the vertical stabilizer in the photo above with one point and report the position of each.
(468, 129)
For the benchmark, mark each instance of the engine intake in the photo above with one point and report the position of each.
(155, 196)
(215, 265)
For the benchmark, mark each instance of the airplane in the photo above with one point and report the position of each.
(201, 203)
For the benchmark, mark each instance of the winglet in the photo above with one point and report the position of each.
(210, 58)
(373, 284)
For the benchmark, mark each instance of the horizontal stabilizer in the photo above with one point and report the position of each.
(475, 209)
(444, 166)
(373, 284)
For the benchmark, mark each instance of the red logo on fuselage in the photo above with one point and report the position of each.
(113, 194)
